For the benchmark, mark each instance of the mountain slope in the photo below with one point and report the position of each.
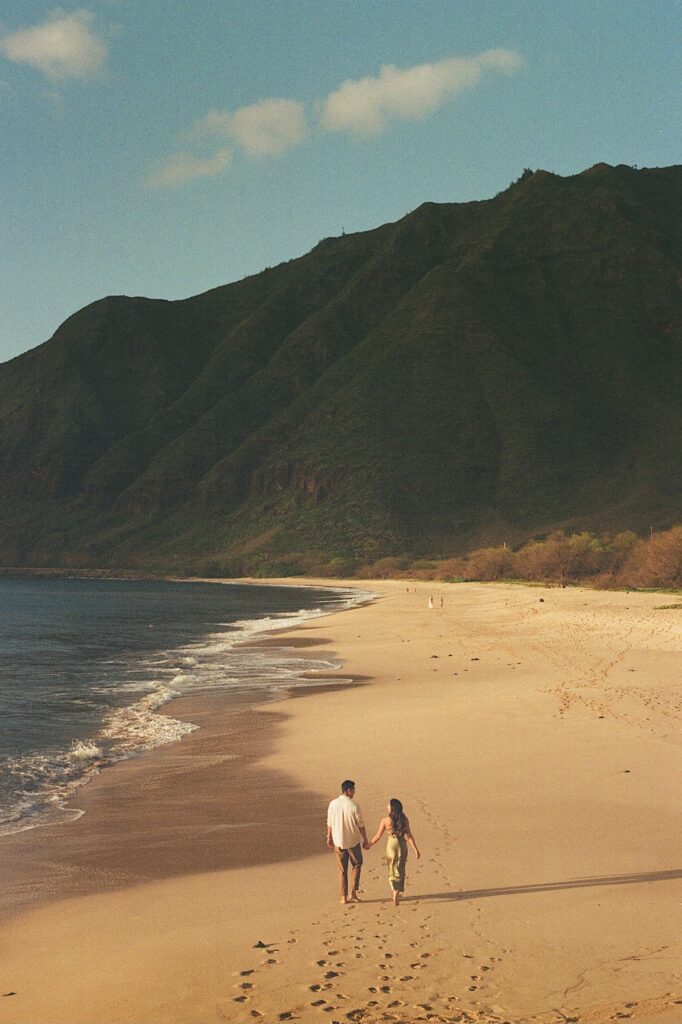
(473, 373)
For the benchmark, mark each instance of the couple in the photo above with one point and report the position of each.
(347, 837)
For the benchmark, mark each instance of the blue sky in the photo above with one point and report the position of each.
(162, 148)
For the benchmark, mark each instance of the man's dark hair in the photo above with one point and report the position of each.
(346, 785)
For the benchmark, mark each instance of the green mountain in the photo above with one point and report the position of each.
(473, 373)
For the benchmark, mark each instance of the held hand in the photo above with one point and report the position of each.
(366, 845)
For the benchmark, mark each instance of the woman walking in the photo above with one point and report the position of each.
(397, 825)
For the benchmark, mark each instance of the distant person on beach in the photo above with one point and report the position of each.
(346, 835)
(430, 602)
(397, 824)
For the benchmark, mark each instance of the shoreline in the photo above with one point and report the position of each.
(86, 863)
(126, 838)
(251, 637)
(532, 734)
(322, 583)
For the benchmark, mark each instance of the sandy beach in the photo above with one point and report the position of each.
(533, 735)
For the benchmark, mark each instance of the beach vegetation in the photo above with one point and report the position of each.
(490, 563)
(610, 561)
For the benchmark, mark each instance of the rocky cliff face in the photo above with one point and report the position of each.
(474, 372)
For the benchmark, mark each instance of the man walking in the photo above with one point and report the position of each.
(345, 833)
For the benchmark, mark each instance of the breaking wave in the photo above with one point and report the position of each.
(224, 660)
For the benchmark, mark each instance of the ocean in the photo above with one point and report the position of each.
(86, 666)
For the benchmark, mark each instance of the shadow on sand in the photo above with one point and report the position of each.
(573, 883)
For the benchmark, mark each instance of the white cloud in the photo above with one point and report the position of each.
(183, 167)
(365, 106)
(63, 46)
(262, 129)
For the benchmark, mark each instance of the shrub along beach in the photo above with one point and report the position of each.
(609, 561)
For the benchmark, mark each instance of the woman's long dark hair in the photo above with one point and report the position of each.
(398, 819)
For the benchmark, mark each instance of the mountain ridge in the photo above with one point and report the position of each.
(468, 373)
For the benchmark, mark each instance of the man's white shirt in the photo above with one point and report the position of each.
(344, 818)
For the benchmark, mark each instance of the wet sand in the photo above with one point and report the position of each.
(188, 806)
(534, 738)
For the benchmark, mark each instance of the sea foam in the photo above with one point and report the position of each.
(222, 660)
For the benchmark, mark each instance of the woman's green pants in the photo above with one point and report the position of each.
(396, 857)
